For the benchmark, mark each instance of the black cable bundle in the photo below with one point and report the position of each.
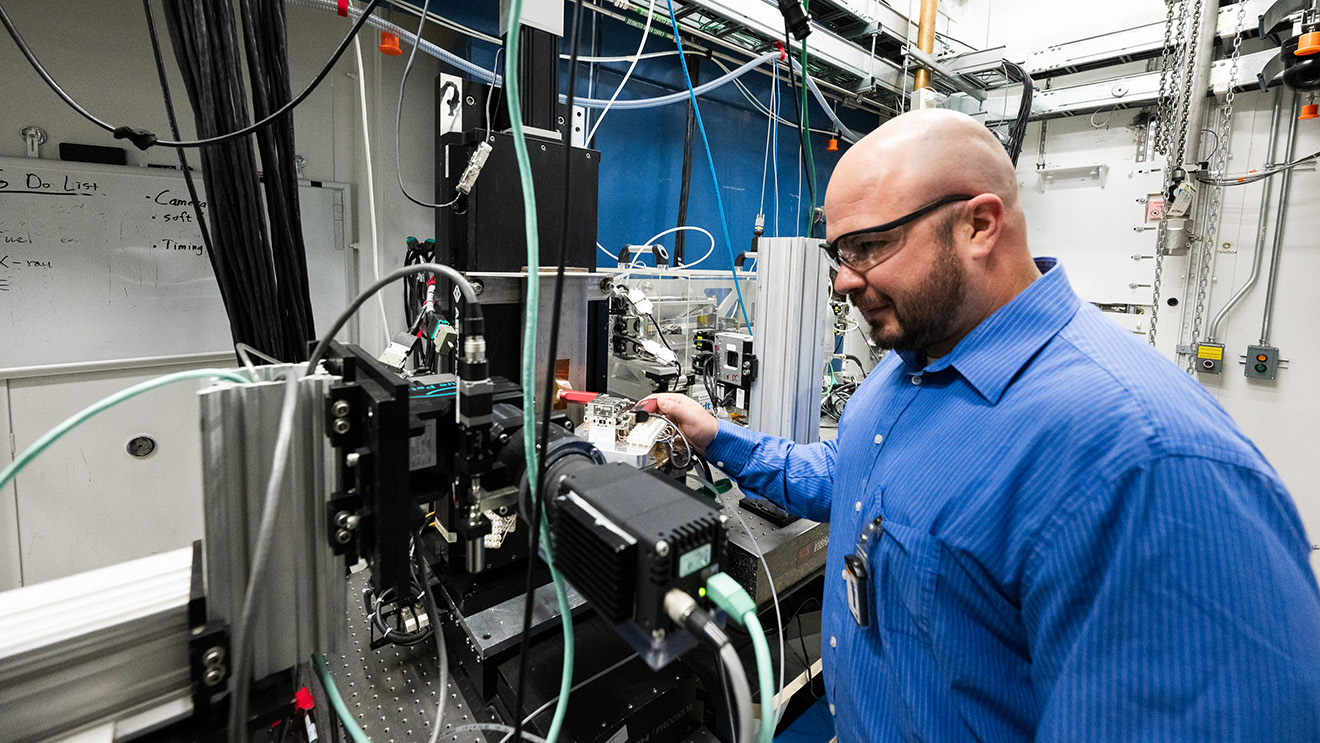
(265, 289)
(1019, 131)
(266, 37)
(680, 238)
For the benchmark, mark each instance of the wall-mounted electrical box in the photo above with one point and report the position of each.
(1262, 362)
(1210, 358)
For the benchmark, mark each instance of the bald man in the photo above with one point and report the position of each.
(1040, 529)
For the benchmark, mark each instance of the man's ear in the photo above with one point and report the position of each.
(986, 213)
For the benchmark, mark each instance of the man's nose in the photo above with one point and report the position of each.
(848, 281)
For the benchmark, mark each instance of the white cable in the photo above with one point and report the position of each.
(371, 187)
(680, 96)
(779, 619)
(629, 58)
(746, 93)
(606, 252)
(646, 33)
(742, 690)
(679, 229)
(398, 123)
(844, 131)
(436, 18)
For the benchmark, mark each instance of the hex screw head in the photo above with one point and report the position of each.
(341, 425)
(343, 536)
(340, 408)
(213, 676)
(213, 657)
(662, 548)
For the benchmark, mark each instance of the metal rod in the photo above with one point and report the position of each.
(1281, 213)
(1259, 254)
(1207, 32)
(926, 38)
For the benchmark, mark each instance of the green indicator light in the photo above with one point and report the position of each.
(701, 592)
(1260, 368)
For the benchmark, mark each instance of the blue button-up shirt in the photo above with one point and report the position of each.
(1078, 545)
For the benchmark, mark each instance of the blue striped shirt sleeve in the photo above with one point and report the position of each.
(799, 477)
(1176, 606)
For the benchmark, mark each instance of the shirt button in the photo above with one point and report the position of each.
(831, 709)
(859, 507)
(879, 439)
(720, 465)
(916, 379)
(834, 642)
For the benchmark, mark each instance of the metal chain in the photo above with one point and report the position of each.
(1174, 69)
(1163, 112)
(1190, 61)
(1211, 238)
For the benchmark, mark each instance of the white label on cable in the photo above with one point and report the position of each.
(640, 301)
(740, 399)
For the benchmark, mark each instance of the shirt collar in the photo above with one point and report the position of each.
(994, 352)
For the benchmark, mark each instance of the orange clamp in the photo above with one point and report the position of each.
(389, 44)
(833, 146)
(1308, 44)
(1310, 111)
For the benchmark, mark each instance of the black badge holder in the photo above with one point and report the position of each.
(857, 573)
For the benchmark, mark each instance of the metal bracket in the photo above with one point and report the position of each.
(35, 136)
(208, 642)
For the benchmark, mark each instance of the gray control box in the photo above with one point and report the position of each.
(1262, 362)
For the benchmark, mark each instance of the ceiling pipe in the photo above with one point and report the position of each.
(926, 39)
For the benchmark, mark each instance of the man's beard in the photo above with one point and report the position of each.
(927, 316)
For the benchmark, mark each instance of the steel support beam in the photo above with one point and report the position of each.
(1132, 43)
(764, 19)
(1129, 92)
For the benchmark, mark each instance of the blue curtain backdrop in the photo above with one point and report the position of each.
(642, 150)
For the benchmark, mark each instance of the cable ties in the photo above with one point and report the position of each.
(141, 138)
(783, 53)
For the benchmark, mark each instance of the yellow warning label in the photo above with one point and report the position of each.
(1205, 351)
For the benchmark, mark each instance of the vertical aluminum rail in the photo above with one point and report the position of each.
(792, 319)
(1280, 218)
(301, 607)
(1259, 255)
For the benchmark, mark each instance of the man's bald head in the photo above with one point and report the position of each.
(926, 284)
(916, 158)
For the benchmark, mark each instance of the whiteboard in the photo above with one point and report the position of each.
(104, 263)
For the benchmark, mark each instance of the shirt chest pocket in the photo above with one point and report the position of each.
(905, 566)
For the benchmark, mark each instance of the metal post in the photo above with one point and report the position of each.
(792, 320)
(1281, 213)
(1257, 257)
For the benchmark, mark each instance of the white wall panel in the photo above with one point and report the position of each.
(86, 503)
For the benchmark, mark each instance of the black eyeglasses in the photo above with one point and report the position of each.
(861, 250)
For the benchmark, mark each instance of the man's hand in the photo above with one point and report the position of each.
(696, 423)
